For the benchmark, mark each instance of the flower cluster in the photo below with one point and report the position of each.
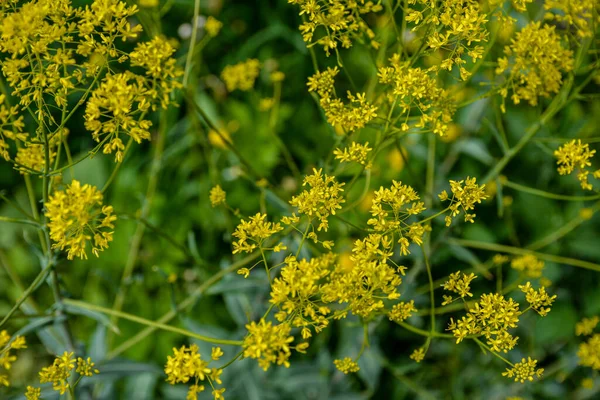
(576, 155)
(268, 343)
(458, 284)
(322, 199)
(530, 265)
(252, 233)
(589, 351)
(577, 15)
(212, 26)
(187, 365)
(465, 194)
(418, 355)
(416, 90)
(11, 127)
(348, 116)
(61, 370)
(402, 311)
(355, 153)
(390, 210)
(297, 293)
(366, 280)
(6, 356)
(524, 371)
(450, 36)
(76, 215)
(491, 317)
(346, 365)
(535, 62)
(217, 196)
(538, 300)
(241, 75)
(340, 21)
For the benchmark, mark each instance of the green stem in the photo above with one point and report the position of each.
(143, 321)
(545, 194)
(516, 250)
(191, 299)
(190, 53)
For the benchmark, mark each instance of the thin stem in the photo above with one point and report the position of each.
(20, 221)
(516, 250)
(545, 194)
(190, 54)
(34, 285)
(191, 299)
(143, 321)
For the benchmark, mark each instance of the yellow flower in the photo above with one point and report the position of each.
(574, 155)
(465, 194)
(6, 356)
(402, 311)
(535, 61)
(217, 196)
(589, 352)
(86, 367)
(524, 371)
(529, 264)
(241, 76)
(321, 200)
(33, 393)
(418, 355)
(76, 216)
(346, 365)
(187, 364)
(59, 372)
(577, 15)
(268, 343)
(213, 26)
(252, 233)
(356, 152)
(586, 326)
(460, 285)
(538, 300)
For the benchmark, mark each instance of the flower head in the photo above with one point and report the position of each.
(268, 343)
(76, 216)
(524, 371)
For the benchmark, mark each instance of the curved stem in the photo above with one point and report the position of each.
(157, 325)
(545, 194)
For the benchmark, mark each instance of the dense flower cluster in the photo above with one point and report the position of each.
(465, 194)
(538, 300)
(241, 75)
(252, 233)
(576, 155)
(577, 15)
(186, 364)
(6, 356)
(346, 365)
(341, 22)
(459, 283)
(524, 371)
(402, 311)
(76, 216)
(586, 326)
(11, 127)
(297, 293)
(414, 89)
(530, 265)
(322, 199)
(59, 373)
(535, 61)
(268, 343)
(450, 37)
(217, 196)
(355, 153)
(348, 116)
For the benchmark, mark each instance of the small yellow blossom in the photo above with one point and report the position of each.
(538, 300)
(252, 233)
(346, 365)
(216, 353)
(524, 371)
(86, 367)
(217, 196)
(33, 393)
(529, 264)
(586, 326)
(321, 200)
(418, 355)
(7, 358)
(268, 343)
(59, 372)
(402, 311)
(356, 152)
(460, 284)
(576, 155)
(465, 194)
(241, 76)
(213, 26)
(577, 15)
(77, 216)
(589, 352)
